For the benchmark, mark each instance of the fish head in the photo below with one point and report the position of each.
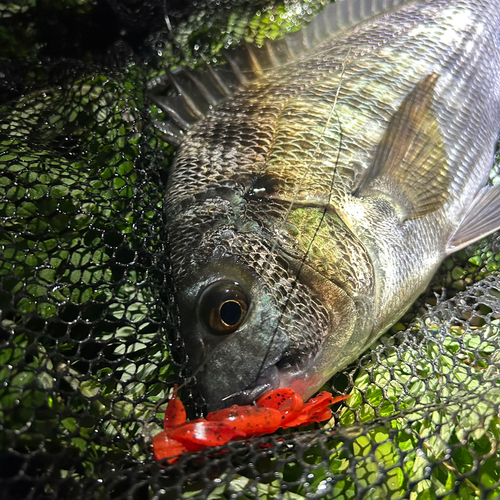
(254, 317)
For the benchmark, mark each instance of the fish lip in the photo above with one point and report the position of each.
(270, 379)
(267, 381)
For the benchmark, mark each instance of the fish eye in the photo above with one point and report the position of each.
(223, 307)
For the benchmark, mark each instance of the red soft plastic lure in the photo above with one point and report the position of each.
(282, 408)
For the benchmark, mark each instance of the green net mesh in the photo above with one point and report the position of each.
(87, 335)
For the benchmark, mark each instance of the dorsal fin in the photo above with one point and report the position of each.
(185, 97)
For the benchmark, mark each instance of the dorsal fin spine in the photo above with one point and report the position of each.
(236, 69)
(272, 54)
(209, 97)
(190, 104)
(171, 134)
(289, 47)
(221, 86)
(254, 61)
(167, 108)
(335, 18)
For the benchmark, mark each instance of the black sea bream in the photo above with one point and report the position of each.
(310, 206)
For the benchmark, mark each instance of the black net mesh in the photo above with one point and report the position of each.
(86, 316)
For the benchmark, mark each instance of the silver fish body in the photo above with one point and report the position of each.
(309, 209)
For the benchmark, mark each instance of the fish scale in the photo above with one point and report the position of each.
(319, 197)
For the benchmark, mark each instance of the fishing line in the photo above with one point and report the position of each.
(333, 112)
(303, 260)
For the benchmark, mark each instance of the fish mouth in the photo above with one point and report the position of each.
(267, 381)
(282, 374)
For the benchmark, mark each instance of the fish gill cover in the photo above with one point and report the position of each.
(86, 313)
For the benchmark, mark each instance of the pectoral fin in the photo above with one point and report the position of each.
(410, 165)
(482, 219)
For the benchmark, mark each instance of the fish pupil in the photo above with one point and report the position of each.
(230, 312)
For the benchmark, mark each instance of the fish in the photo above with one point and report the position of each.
(319, 183)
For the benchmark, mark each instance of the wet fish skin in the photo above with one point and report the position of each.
(276, 195)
